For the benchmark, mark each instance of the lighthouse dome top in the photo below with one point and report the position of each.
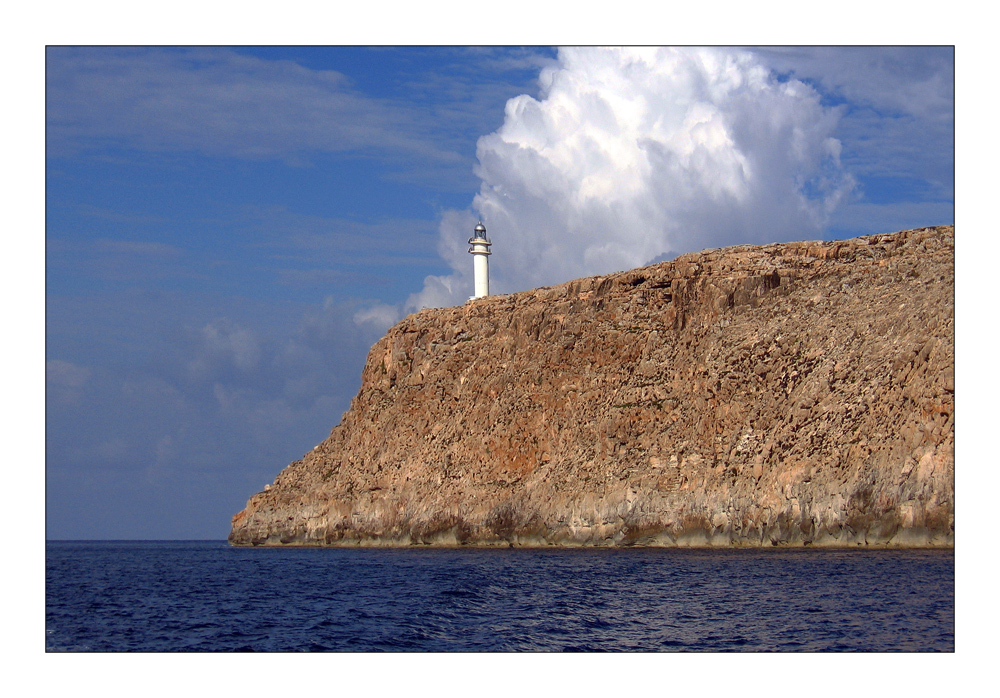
(480, 230)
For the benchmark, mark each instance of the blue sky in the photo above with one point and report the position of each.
(228, 230)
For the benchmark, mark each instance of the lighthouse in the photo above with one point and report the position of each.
(479, 248)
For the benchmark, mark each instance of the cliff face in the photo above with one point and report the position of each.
(790, 394)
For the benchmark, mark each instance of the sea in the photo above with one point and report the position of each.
(206, 596)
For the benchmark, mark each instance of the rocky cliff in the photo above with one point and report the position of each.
(790, 394)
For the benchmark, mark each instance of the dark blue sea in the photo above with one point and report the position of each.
(198, 596)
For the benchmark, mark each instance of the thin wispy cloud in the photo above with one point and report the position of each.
(219, 102)
(115, 260)
(901, 79)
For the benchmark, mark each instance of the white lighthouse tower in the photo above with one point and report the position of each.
(480, 251)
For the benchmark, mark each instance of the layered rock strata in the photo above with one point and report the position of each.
(788, 394)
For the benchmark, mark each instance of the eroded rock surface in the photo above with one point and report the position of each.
(789, 394)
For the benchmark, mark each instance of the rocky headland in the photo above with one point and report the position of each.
(780, 395)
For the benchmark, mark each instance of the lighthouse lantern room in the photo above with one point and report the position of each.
(479, 248)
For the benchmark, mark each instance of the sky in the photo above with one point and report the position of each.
(228, 230)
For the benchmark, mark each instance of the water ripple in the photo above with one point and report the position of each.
(207, 596)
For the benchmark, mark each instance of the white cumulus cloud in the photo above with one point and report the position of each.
(634, 155)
